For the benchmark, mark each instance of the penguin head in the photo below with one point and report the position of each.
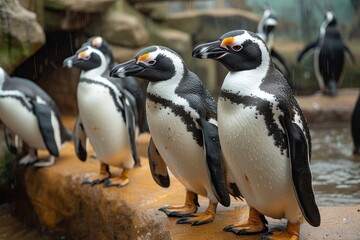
(102, 45)
(267, 24)
(86, 58)
(237, 50)
(155, 63)
(330, 19)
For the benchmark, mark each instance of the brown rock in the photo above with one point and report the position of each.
(207, 25)
(20, 34)
(88, 6)
(121, 25)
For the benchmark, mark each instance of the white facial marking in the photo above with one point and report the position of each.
(96, 72)
(166, 89)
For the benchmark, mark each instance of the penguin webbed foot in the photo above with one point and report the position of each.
(255, 224)
(48, 163)
(291, 232)
(27, 160)
(196, 219)
(245, 229)
(97, 179)
(178, 211)
(116, 182)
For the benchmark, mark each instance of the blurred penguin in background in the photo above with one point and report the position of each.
(265, 29)
(329, 51)
(355, 127)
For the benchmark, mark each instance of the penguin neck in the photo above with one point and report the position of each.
(95, 73)
(248, 82)
(166, 89)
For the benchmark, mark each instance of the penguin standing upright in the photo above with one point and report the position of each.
(182, 120)
(264, 136)
(107, 117)
(328, 55)
(265, 29)
(355, 127)
(28, 112)
(128, 83)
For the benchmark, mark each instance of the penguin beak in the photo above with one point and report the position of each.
(209, 50)
(69, 62)
(129, 68)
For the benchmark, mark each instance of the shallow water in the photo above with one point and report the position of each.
(336, 173)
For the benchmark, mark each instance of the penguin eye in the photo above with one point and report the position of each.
(236, 48)
(87, 57)
(151, 62)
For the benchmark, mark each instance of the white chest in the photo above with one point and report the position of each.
(21, 121)
(184, 157)
(103, 122)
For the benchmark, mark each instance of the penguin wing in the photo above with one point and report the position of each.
(306, 49)
(10, 140)
(158, 166)
(214, 164)
(300, 169)
(349, 53)
(50, 135)
(280, 62)
(80, 140)
(130, 120)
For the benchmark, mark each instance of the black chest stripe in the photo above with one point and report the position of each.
(180, 111)
(113, 94)
(21, 100)
(264, 108)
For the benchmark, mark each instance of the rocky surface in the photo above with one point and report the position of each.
(62, 203)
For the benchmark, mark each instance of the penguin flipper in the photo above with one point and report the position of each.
(10, 140)
(281, 62)
(130, 119)
(158, 167)
(306, 49)
(214, 164)
(44, 114)
(301, 174)
(80, 140)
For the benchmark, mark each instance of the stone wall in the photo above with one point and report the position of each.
(127, 25)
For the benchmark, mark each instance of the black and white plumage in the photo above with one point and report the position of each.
(329, 52)
(182, 120)
(30, 114)
(128, 83)
(263, 134)
(265, 28)
(107, 117)
(355, 127)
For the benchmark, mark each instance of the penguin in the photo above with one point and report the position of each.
(181, 116)
(128, 83)
(355, 127)
(264, 136)
(30, 114)
(107, 117)
(265, 29)
(329, 51)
